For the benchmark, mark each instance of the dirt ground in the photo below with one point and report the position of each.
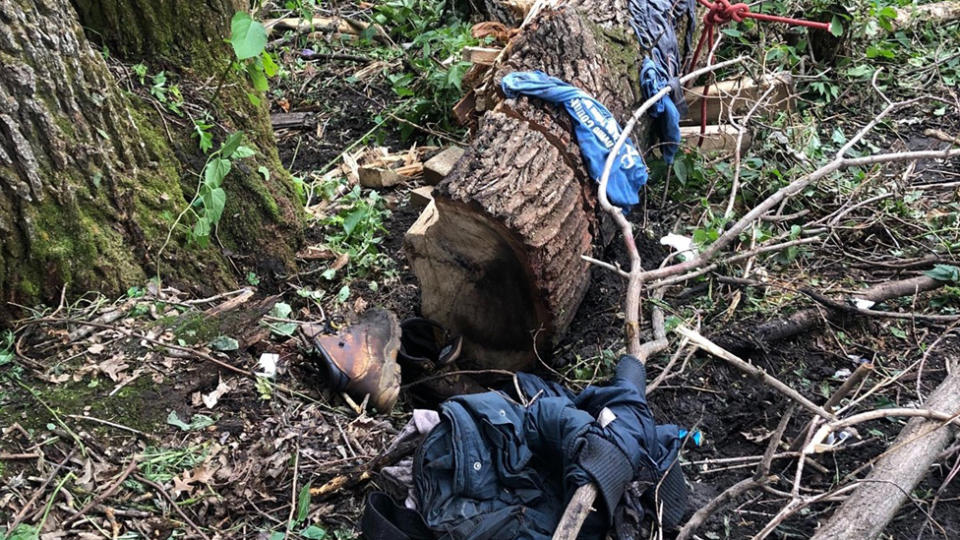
(139, 427)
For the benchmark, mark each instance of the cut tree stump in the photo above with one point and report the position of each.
(498, 253)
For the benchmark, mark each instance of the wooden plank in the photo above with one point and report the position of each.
(740, 95)
(481, 55)
(378, 177)
(290, 120)
(716, 139)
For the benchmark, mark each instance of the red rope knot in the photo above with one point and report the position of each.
(722, 12)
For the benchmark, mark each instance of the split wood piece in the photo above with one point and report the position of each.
(421, 197)
(498, 252)
(866, 512)
(810, 319)
(378, 177)
(717, 139)
(485, 56)
(578, 508)
(231, 304)
(941, 12)
(740, 95)
(509, 12)
(439, 166)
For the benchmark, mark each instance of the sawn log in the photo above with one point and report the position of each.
(498, 252)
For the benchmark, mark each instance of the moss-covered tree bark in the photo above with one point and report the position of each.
(92, 177)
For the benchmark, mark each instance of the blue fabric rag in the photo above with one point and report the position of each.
(654, 22)
(652, 79)
(595, 128)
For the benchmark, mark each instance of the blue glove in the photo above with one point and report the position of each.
(596, 131)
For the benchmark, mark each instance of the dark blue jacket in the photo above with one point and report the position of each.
(494, 468)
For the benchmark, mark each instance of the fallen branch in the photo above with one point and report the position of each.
(697, 339)
(816, 442)
(581, 503)
(874, 502)
(729, 494)
(810, 319)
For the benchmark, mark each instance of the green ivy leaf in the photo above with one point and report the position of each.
(229, 146)
(313, 533)
(944, 272)
(680, 169)
(201, 229)
(213, 202)
(353, 219)
(215, 172)
(257, 77)
(836, 26)
(247, 36)
(269, 66)
(343, 294)
(303, 503)
(199, 421)
(224, 343)
(243, 152)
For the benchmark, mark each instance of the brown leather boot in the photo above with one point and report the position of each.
(362, 357)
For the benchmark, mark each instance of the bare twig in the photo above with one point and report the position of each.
(697, 339)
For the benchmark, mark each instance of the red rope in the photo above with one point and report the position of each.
(720, 13)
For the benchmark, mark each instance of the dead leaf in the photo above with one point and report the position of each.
(96, 348)
(210, 400)
(341, 261)
(202, 474)
(283, 104)
(182, 485)
(113, 367)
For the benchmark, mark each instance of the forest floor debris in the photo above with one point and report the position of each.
(205, 417)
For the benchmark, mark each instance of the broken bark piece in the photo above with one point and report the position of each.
(484, 56)
(439, 166)
(291, 120)
(328, 24)
(942, 12)
(421, 197)
(739, 95)
(716, 139)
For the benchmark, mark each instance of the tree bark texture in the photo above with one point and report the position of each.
(91, 180)
(498, 254)
(866, 512)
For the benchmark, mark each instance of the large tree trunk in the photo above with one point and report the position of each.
(498, 256)
(91, 178)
